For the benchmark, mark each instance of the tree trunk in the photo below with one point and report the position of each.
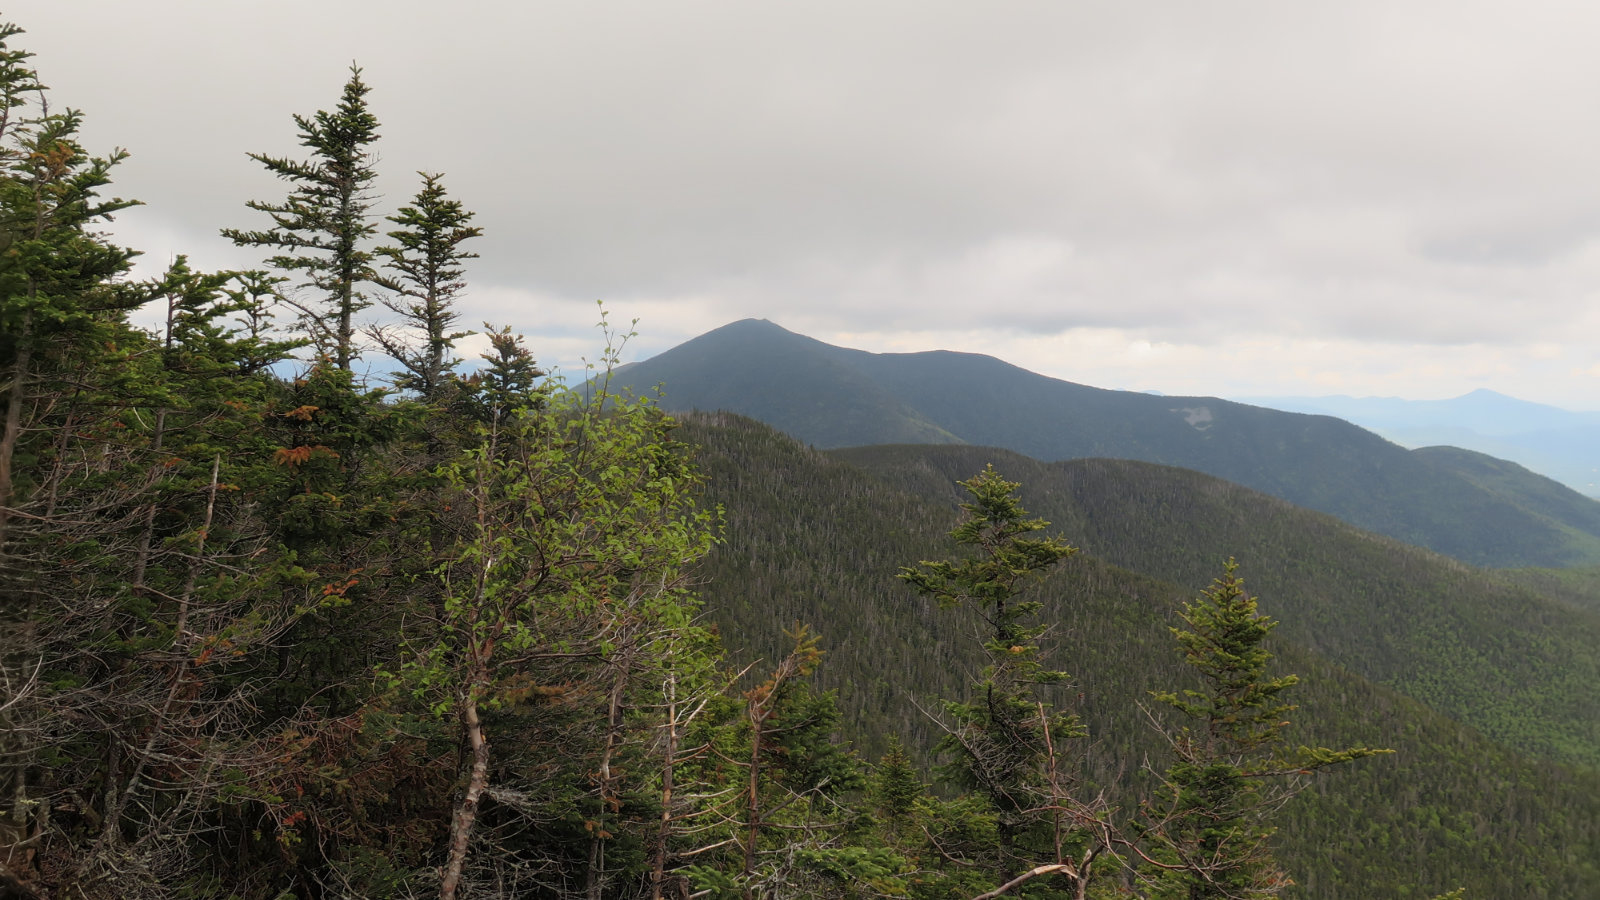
(659, 872)
(467, 810)
(752, 808)
(12, 432)
(141, 561)
(594, 879)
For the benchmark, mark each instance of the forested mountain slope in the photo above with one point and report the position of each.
(1560, 443)
(813, 538)
(1577, 587)
(1538, 495)
(1501, 658)
(833, 397)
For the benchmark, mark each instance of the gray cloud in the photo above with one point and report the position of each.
(1412, 174)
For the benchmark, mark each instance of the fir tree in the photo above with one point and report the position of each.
(508, 382)
(1005, 743)
(1210, 825)
(321, 229)
(426, 257)
(896, 787)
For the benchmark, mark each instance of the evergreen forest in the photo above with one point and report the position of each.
(274, 630)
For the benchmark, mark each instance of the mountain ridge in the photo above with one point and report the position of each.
(816, 537)
(834, 397)
(1559, 443)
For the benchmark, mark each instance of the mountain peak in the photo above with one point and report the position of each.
(748, 333)
(832, 396)
(750, 326)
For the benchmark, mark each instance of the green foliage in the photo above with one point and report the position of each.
(896, 786)
(140, 577)
(994, 524)
(1495, 656)
(564, 511)
(1210, 823)
(817, 536)
(508, 382)
(426, 257)
(851, 872)
(282, 635)
(321, 228)
(1004, 743)
(1223, 643)
(996, 739)
(562, 591)
(709, 881)
(1579, 588)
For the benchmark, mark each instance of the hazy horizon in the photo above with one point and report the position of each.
(1234, 199)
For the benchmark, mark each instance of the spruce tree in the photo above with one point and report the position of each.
(1210, 823)
(896, 786)
(426, 256)
(322, 227)
(1005, 743)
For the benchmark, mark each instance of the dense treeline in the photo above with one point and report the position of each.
(1450, 807)
(1500, 658)
(1578, 587)
(273, 632)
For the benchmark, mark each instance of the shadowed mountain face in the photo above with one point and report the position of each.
(808, 389)
(1473, 507)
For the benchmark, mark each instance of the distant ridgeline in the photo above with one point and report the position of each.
(1473, 507)
(1560, 443)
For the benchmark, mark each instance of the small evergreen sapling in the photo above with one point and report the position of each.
(1209, 824)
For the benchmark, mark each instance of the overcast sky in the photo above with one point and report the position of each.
(1226, 198)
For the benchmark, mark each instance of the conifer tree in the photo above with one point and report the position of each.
(426, 257)
(157, 589)
(508, 382)
(58, 288)
(896, 787)
(121, 527)
(784, 810)
(61, 308)
(1210, 824)
(321, 229)
(1005, 743)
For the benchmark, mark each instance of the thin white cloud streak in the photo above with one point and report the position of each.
(1387, 194)
(1263, 364)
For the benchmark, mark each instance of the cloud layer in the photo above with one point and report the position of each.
(1229, 197)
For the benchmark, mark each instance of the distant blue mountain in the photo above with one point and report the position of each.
(1557, 443)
